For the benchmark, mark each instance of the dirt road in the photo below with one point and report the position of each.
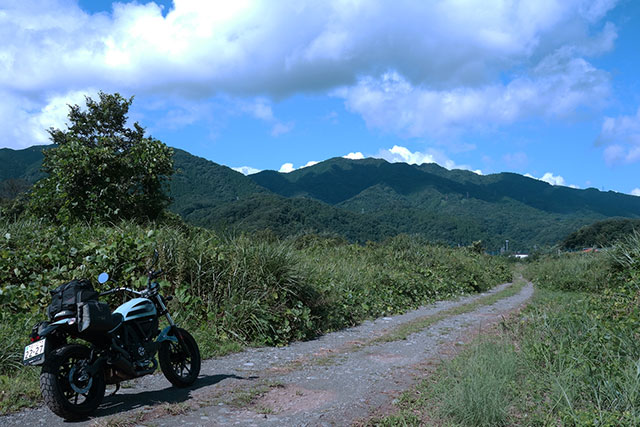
(334, 380)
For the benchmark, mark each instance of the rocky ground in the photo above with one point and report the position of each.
(336, 379)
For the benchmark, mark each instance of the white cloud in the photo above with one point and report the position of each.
(635, 192)
(399, 154)
(621, 136)
(354, 156)
(438, 61)
(247, 170)
(309, 163)
(557, 87)
(552, 179)
(404, 155)
(281, 128)
(286, 168)
(24, 122)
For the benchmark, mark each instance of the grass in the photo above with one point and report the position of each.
(19, 390)
(477, 390)
(572, 357)
(474, 389)
(246, 397)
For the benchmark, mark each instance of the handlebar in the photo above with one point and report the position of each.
(111, 291)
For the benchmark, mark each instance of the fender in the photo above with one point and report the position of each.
(164, 336)
(50, 343)
(55, 325)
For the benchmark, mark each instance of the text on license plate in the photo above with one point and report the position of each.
(33, 350)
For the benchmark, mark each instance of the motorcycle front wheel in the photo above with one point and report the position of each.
(68, 390)
(180, 361)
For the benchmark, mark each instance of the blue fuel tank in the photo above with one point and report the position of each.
(136, 308)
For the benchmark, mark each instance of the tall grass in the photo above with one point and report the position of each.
(581, 367)
(583, 346)
(476, 389)
(571, 272)
(572, 357)
(246, 289)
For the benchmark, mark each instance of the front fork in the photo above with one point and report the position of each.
(165, 311)
(164, 335)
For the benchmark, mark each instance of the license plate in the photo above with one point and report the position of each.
(34, 353)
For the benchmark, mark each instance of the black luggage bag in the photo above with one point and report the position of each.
(65, 298)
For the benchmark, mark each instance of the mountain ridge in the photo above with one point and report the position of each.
(372, 199)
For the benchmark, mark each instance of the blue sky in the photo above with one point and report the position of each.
(544, 88)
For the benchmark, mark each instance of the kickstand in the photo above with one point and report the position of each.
(116, 390)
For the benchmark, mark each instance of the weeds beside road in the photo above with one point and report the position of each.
(231, 292)
(572, 357)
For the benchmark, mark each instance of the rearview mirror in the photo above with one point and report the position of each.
(103, 277)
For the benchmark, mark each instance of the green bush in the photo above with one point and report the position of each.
(101, 169)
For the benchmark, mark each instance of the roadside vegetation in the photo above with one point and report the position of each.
(230, 291)
(572, 357)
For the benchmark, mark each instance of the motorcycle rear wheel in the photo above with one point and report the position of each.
(67, 390)
(180, 362)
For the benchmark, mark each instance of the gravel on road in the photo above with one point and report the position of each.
(333, 380)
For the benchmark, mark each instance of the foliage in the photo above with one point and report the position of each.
(256, 290)
(582, 359)
(100, 169)
(602, 233)
(585, 345)
(230, 290)
(289, 217)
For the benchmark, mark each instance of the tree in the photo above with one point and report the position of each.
(100, 169)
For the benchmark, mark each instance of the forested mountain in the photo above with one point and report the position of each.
(452, 206)
(372, 199)
(21, 164)
(19, 169)
(199, 184)
(338, 180)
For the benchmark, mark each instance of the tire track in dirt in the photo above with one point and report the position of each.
(333, 380)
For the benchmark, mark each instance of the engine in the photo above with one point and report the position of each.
(135, 338)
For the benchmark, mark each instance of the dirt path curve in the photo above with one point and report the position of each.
(338, 378)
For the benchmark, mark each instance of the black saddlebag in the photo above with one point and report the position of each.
(95, 316)
(65, 298)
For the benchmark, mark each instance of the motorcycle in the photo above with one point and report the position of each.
(121, 345)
